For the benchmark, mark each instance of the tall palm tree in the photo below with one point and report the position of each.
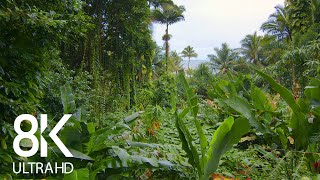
(189, 53)
(168, 14)
(223, 58)
(166, 38)
(251, 48)
(279, 24)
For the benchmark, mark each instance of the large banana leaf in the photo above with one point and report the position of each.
(187, 145)
(313, 94)
(313, 90)
(224, 138)
(193, 106)
(243, 107)
(191, 97)
(298, 122)
(67, 97)
(127, 159)
(101, 139)
(284, 92)
(228, 134)
(259, 99)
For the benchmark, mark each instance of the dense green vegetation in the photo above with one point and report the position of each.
(251, 112)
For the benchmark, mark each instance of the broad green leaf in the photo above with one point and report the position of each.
(282, 137)
(302, 130)
(183, 113)
(187, 145)
(215, 151)
(284, 92)
(228, 134)
(152, 161)
(69, 105)
(140, 144)
(259, 99)
(79, 115)
(313, 90)
(191, 97)
(79, 174)
(131, 117)
(71, 137)
(298, 121)
(101, 139)
(173, 101)
(79, 155)
(224, 88)
(4, 144)
(90, 128)
(243, 107)
(123, 155)
(165, 163)
(194, 107)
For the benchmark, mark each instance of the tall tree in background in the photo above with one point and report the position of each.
(292, 22)
(223, 59)
(166, 38)
(175, 62)
(301, 14)
(279, 24)
(189, 53)
(168, 14)
(251, 48)
(129, 45)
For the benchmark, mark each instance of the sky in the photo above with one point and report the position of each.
(209, 23)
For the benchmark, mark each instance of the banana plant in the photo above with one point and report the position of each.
(305, 116)
(229, 133)
(302, 111)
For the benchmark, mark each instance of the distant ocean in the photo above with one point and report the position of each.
(193, 63)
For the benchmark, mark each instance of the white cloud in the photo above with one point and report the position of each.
(209, 23)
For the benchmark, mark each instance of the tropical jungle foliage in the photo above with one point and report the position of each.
(249, 113)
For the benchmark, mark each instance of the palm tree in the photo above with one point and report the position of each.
(189, 53)
(166, 38)
(251, 48)
(175, 62)
(168, 14)
(279, 24)
(223, 59)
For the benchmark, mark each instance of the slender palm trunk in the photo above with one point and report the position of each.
(167, 46)
(189, 64)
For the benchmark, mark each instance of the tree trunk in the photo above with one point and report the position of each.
(189, 64)
(167, 46)
(132, 86)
